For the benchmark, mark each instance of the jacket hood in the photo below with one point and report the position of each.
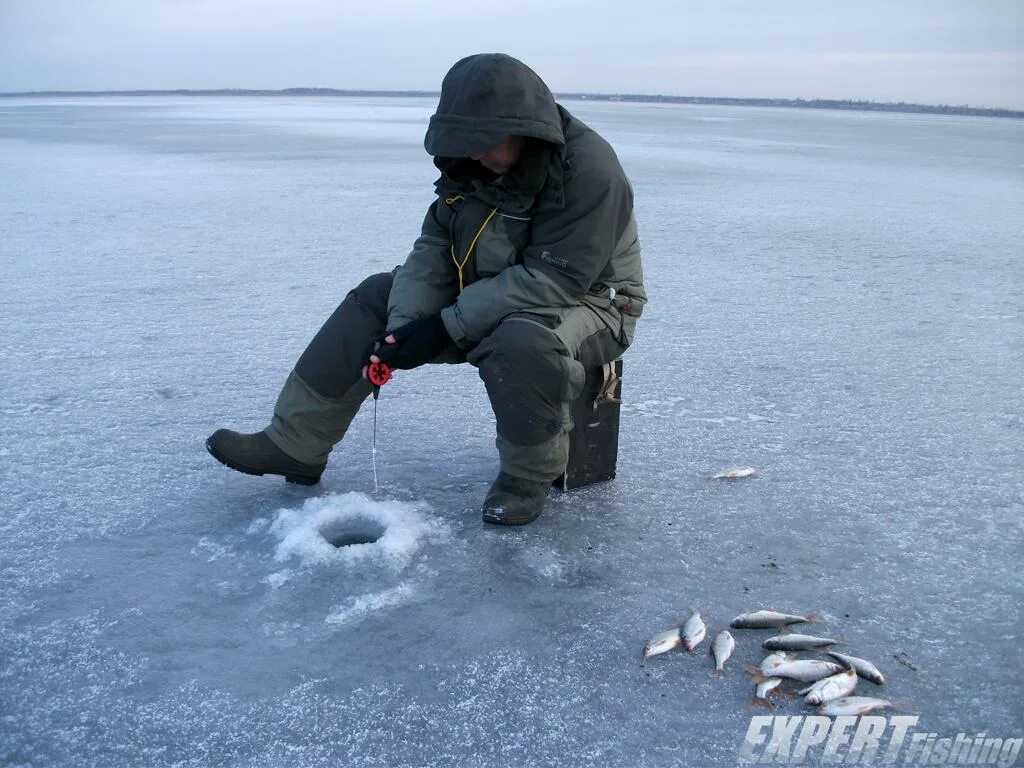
(486, 97)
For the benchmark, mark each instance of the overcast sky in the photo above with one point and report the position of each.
(931, 51)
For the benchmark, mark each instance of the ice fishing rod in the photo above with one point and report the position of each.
(379, 374)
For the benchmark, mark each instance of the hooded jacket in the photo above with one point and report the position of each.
(555, 232)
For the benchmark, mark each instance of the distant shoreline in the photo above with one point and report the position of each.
(839, 104)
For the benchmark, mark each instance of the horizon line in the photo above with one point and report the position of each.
(750, 101)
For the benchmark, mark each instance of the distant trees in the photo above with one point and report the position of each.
(848, 104)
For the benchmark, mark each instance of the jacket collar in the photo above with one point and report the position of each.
(541, 166)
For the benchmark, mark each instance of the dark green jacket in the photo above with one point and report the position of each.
(556, 231)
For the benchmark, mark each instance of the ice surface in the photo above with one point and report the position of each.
(836, 300)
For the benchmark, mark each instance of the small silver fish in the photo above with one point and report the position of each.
(864, 668)
(663, 642)
(722, 649)
(764, 689)
(831, 688)
(853, 705)
(765, 619)
(735, 474)
(693, 631)
(772, 660)
(804, 670)
(797, 642)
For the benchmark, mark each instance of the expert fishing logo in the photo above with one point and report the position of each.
(867, 740)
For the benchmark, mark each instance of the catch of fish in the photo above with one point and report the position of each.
(853, 705)
(797, 642)
(773, 660)
(722, 649)
(830, 688)
(804, 670)
(764, 689)
(769, 620)
(832, 682)
(693, 631)
(663, 642)
(864, 668)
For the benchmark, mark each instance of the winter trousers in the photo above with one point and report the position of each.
(533, 366)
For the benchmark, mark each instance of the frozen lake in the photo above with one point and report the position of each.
(836, 300)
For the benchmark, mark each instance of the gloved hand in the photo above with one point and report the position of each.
(414, 343)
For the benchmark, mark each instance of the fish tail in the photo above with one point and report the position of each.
(756, 702)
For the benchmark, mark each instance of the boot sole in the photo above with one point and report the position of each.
(497, 520)
(297, 479)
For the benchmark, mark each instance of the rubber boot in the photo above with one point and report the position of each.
(300, 437)
(256, 454)
(515, 500)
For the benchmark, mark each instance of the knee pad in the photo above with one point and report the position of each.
(529, 377)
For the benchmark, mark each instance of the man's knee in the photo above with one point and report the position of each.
(529, 377)
(372, 294)
(332, 361)
(518, 350)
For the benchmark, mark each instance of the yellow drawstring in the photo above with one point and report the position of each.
(453, 199)
(472, 245)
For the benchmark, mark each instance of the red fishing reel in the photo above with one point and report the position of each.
(379, 374)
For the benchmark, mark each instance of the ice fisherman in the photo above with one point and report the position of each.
(528, 268)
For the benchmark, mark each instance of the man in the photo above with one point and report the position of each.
(528, 267)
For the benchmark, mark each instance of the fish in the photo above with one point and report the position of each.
(772, 660)
(831, 688)
(765, 619)
(765, 687)
(735, 474)
(693, 631)
(722, 649)
(864, 668)
(797, 642)
(763, 690)
(663, 642)
(804, 670)
(853, 705)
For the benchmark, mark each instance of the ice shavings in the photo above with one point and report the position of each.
(257, 526)
(206, 546)
(307, 533)
(279, 578)
(356, 608)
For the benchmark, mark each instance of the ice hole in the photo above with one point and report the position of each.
(353, 530)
